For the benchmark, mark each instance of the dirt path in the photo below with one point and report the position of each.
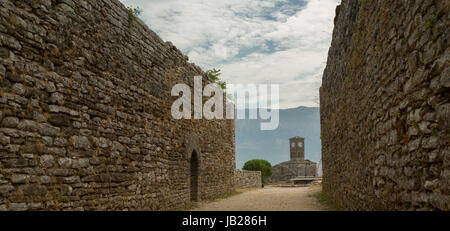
(268, 198)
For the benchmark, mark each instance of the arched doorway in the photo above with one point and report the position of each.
(194, 170)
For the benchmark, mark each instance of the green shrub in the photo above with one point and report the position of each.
(133, 13)
(214, 76)
(259, 165)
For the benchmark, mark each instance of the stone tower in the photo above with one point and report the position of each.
(297, 145)
(296, 167)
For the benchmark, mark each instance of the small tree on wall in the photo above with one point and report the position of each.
(133, 13)
(214, 76)
(259, 165)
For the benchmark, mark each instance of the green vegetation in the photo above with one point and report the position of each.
(214, 76)
(325, 200)
(133, 13)
(259, 165)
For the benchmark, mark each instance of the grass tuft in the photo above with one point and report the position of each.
(326, 201)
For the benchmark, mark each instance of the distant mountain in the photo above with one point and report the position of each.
(273, 146)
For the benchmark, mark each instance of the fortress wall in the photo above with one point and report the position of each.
(385, 109)
(247, 179)
(85, 120)
(292, 169)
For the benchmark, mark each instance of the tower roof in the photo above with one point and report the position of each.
(297, 137)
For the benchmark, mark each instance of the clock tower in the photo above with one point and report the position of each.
(297, 145)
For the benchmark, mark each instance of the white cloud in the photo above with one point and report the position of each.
(251, 41)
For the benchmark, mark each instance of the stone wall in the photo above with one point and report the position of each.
(385, 109)
(85, 119)
(292, 169)
(247, 179)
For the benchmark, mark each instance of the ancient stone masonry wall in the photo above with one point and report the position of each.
(385, 109)
(292, 169)
(247, 179)
(85, 119)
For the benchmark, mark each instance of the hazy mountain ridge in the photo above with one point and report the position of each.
(252, 143)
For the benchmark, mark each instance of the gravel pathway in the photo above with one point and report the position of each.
(269, 198)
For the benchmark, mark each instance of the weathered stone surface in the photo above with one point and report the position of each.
(60, 120)
(10, 122)
(33, 190)
(6, 188)
(4, 139)
(2, 71)
(48, 130)
(60, 142)
(72, 179)
(445, 78)
(385, 113)
(81, 163)
(18, 207)
(47, 161)
(247, 179)
(431, 142)
(56, 151)
(85, 119)
(443, 114)
(65, 162)
(285, 171)
(57, 98)
(19, 179)
(45, 179)
(28, 125)
(18, 89)
(81, 142)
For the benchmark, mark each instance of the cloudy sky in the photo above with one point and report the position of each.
(281, 42)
